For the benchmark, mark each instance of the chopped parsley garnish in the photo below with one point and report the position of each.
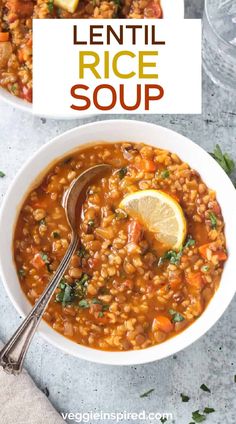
(146, 394)
(184, 397)
(190, 242)
(223, 160)
(56, 235)
(71, 292)
(205, 268)
(42, 222)
(165, 174)
(163, 420)
(96, 301)
(105, 308)
(173, 256)
(46, 260)
(14, 88)
(176, 316)
(205, 388)
(80, 286)
(82, 252)
(120, 214)
(197, 417)
(2, 174)
(91, 223)
(21, 273)
(50, 6)
(213, 220)
(122, 172)
(66, 295)
(84, 303)
(209, 410)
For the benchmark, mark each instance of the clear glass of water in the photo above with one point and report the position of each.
(219, 42)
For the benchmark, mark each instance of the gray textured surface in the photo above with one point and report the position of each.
(79, 386)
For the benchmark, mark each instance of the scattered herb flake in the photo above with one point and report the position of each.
(197, 417)
(56, 235)
(91, 223)
(82, 252)
(122, 172)
(205, 388)
(84, 303)
(96, 301)
(173, 256)
(165, 174)
(213, 220)
(184, 398)
(21, 273)
(105, 308)
(46, 260)
(66, 295)
(146, 394)
(2, 174)
(50, 6)
(80, 286)
(42, 221)
(205, 268)
(209, 410)
(120, 214)
(190, 242)
(163, 420)
(176, 316)
(100, 314)
(223, 160)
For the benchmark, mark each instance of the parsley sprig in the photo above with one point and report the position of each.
(223, 160)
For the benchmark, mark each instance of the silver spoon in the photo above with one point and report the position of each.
(13, 354)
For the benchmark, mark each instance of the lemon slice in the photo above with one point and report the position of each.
(68, 5)
(159, 213)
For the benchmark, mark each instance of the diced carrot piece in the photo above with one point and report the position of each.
(4, 36)
(145, 165)
(221, 255)
(203, 249)
(162, 323)
(195, 280)
(37, 261)
(134, 231)
(174, 284)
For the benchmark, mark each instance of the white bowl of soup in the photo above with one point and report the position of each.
(124, 300)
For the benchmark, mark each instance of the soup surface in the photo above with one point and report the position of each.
(123, 289)
(16, 31)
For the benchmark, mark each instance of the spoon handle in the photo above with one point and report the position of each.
(13, 354)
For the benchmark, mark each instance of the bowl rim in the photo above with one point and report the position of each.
(219, 302)
(24, 106)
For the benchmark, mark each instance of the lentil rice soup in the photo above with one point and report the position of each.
(124, 288)
(16, 30)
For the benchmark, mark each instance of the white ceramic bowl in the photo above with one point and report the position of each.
(173, 9)
(114, 131)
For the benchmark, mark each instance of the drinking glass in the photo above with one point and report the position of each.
(219, 42)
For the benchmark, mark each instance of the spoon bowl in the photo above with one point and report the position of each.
(13, 354)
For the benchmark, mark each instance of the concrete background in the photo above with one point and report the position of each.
(79, 386)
